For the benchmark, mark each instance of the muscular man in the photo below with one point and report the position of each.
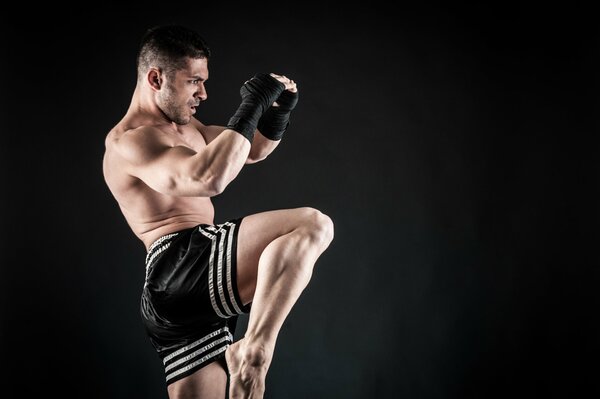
(162, 166)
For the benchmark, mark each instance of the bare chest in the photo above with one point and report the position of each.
(190, 138)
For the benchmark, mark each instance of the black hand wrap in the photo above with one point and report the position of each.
(257, 96)
(275, 121)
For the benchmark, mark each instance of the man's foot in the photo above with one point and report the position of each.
(248, 365)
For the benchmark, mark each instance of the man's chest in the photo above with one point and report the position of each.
(192, 138)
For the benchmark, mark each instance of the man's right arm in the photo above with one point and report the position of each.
(181, 171)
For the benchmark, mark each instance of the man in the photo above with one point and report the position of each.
(162, 166)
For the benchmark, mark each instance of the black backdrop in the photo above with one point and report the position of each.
(452, 148)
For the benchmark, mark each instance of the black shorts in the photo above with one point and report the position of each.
(190, 302)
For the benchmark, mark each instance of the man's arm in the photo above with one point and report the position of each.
(181, 171)
(271, 125)
(261, 146)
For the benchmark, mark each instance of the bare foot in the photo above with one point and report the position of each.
(247, 369)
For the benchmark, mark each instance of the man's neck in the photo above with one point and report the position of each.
(144, 108)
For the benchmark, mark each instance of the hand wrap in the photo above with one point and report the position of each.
(257, 96)
(274, 122)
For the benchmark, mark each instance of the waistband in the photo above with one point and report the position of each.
(157, 247)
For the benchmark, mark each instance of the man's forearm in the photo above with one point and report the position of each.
(231, 151)
(228, 153)
(261, 148)
(221, 161)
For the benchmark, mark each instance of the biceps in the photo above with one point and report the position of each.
(211, 132)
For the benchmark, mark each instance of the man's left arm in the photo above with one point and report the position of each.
(260, 148)
(271, 126)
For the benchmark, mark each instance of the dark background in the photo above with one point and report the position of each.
(452, 147)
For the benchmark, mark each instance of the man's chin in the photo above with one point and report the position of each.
(183, 121)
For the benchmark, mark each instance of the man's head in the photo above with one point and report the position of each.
(173, 61)
(168, 48)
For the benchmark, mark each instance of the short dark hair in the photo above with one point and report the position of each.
(167, 48)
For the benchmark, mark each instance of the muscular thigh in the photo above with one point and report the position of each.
(210, 382)
(255, 233)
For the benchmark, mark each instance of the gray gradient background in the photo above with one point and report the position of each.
(451, 147)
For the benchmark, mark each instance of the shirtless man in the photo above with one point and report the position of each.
(162, 166)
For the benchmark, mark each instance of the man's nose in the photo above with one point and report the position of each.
(201, 93)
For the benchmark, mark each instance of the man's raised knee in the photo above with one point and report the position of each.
(319, 225)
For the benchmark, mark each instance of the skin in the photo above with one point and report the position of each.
(163, 166)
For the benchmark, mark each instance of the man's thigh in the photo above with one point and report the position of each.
(210, 382)
(255, 233)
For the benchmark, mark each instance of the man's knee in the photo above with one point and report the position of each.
(318, 226)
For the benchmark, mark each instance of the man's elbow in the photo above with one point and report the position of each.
(199, 186)
(215, 185)
(254, 158)
(214, 182)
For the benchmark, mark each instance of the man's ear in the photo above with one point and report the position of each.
(154, 78)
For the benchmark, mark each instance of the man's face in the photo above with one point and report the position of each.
(182, 92)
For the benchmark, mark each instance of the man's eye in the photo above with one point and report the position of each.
(195, 82)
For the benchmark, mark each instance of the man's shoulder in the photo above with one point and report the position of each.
(137, 135)
(141, 143)
(139, 131)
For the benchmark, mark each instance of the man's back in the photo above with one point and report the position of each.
(149, 213)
